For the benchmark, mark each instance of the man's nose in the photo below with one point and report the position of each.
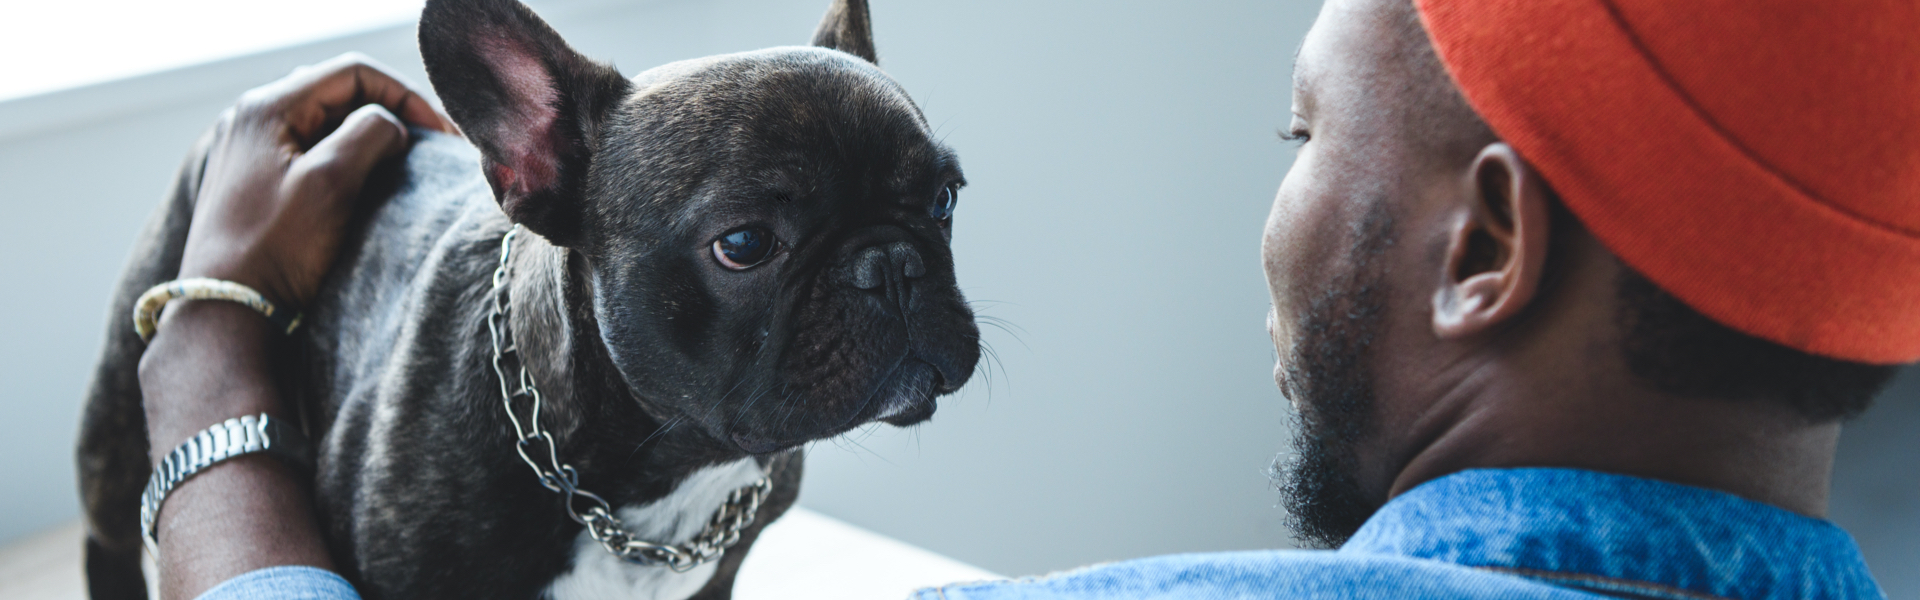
(884, 268)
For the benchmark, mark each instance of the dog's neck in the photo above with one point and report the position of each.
(588, 405)
(542, 327)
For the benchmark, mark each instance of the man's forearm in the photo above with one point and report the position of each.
(208, 364)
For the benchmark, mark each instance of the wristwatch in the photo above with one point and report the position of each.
(234, 437)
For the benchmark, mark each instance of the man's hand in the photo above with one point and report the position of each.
(285, 167)
(281, 180)
(282, 175)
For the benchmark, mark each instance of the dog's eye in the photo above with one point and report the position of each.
(943, 204)
(743, 248)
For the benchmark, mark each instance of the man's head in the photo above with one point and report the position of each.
(1437, 306)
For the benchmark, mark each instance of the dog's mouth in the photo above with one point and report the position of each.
(906, 396)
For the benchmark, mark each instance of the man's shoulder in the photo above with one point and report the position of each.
(1263, 574)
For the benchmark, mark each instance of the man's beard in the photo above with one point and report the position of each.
(1327, 376)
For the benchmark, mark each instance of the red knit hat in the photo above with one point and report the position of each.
(1757, 159)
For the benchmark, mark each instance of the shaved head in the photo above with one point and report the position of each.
(1433, 114)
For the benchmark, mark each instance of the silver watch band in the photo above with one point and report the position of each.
(233, 437)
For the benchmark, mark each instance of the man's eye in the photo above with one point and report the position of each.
(1296, 130)
(743, 248)
(942, 208)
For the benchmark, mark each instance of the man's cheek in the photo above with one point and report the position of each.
(1301, 208)
(1291, 250)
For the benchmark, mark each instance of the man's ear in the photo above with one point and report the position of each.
(845, 28)
(526, 99)
(1497, 245)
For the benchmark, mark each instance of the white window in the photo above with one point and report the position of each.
(50, 45)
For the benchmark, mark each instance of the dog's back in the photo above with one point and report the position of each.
(416, 272)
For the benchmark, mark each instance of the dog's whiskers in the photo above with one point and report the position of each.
(787, 405)
(660, 431)
(1005, 326)
(986, 367)
(748, 407)
(848, 438)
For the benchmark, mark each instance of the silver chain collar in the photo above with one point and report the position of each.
(533, 442)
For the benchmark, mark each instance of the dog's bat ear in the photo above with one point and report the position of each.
(845, 28)
(526, 99)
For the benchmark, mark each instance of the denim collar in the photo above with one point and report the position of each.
(1618, 535)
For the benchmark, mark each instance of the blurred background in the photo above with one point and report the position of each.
(1122, 156)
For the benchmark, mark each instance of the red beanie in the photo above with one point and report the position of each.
(1757, 159)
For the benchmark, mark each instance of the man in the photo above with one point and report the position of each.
(1581, 325)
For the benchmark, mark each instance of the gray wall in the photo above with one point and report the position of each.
(1122, 156)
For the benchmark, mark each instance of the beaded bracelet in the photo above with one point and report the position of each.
(146, 311)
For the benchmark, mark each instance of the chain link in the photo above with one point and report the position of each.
(541, 452)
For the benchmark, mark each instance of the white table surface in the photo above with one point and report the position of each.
(802, 556)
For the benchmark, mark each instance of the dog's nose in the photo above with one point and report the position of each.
(872, 267)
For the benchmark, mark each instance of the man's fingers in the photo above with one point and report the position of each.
(339, 163)
(357, 77)
(341, 83)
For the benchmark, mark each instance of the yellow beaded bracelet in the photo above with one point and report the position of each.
(146, 311)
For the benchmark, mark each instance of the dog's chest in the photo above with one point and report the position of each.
(597, 574)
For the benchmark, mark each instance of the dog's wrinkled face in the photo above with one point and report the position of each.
(769, 240)
(767, 232)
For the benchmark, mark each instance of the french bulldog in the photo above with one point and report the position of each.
(717, 261)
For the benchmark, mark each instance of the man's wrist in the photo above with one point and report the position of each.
(206, 364)
(244, 268)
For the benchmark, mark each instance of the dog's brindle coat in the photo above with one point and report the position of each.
(660, 365)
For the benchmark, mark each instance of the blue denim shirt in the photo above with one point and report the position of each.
(1510, 533)
(283, 583)
(1496, 533)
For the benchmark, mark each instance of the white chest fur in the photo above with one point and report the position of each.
(599, 575)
